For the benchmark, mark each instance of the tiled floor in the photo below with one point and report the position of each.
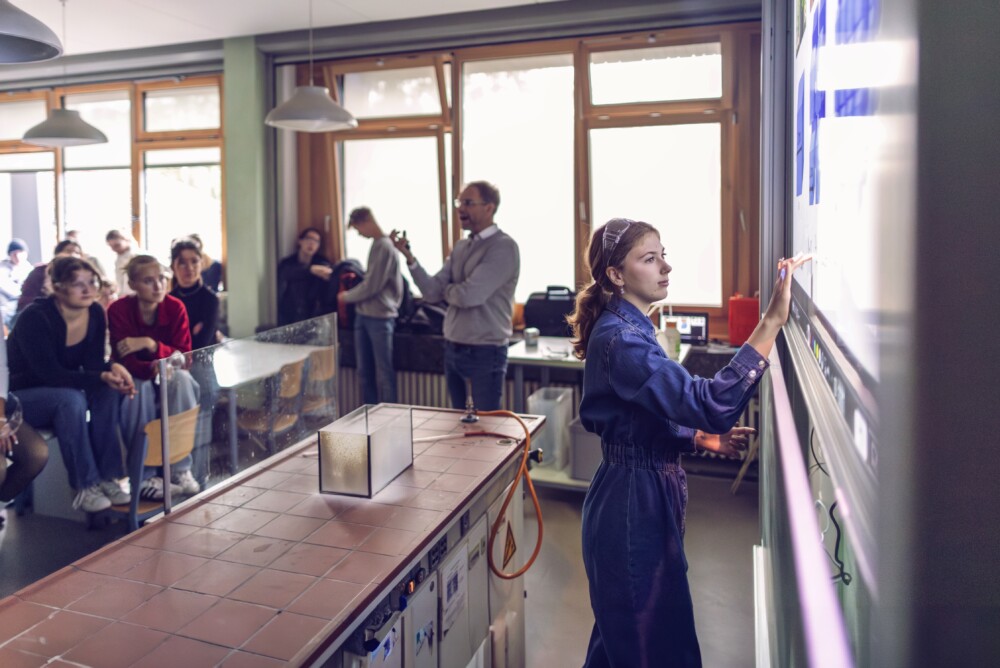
(178, 592)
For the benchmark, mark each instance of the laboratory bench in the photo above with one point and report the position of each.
(263, 569)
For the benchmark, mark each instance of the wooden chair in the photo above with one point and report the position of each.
(321, 388)
(182, 428)
(281, 409)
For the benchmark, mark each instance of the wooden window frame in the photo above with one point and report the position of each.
(139, 109)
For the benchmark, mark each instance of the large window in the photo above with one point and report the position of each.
(518, 134)
(158, 176)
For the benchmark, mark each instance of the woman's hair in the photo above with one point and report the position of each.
(63, 268)
(303, 233)
(137, 264)
(64, 244)
(183, 244)
(609, 246)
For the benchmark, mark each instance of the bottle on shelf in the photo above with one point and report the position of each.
(670, 340)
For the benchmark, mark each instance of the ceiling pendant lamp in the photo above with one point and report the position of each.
(63, 127)
(310, 108)
(25, 39)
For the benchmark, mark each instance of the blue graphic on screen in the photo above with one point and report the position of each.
(817, 101)
(800, 139)
(857, 21)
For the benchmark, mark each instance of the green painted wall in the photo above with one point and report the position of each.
(250, 279)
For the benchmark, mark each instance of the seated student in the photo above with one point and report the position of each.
(211, 271)
(57, 369)
(25, 449)
(37, 284)
(144, 327)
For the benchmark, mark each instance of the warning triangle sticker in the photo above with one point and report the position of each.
(509, 547)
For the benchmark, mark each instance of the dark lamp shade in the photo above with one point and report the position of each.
(25, 39)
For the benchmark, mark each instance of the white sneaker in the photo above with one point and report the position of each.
(91, 500)
(152, 489)
(115, 493)
(187, 482)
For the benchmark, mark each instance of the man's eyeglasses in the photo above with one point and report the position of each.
(459, 203)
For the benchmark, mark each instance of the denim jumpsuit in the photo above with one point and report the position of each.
(646, 407)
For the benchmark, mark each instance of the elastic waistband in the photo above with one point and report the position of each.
(656, 459)
(473, 346)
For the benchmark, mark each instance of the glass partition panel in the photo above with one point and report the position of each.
(661, 73)
(255, 397)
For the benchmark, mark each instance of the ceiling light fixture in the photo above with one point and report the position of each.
(310, 108)
(63, 127)
(25, 39)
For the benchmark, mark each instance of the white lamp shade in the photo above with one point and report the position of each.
(64, 127)
(23, 38)
(311, 109)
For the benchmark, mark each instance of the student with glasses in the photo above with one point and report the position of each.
(302, 279)
(58, 371)
(477, 281)
(648, 410)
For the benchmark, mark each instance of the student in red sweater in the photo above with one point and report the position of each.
(145, 327)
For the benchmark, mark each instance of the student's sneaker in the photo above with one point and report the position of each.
(91, 500)
(187, 482)
(115, 493)
(152, 489)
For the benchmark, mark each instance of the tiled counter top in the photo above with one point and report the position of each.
(262, 570)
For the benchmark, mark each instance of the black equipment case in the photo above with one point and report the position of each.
(548, 310)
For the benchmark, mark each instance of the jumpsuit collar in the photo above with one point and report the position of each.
(629, 313)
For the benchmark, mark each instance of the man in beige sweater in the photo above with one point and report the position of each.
(376, 301)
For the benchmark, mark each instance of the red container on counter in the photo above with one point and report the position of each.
(744, 314)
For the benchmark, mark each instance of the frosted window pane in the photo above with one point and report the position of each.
(398, 180)
(183, 156)
(407, 92)
(28, 202)
(518, 134)
(17, 117)
(27, 162)
(98, 201)
(194, 108)
(670, 177)
(663, 73)
(181, 200)
(110, 112)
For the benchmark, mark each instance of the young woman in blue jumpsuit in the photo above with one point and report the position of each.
(648, 411)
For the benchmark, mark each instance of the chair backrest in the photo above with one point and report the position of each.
(322, 364)
(182, 431)
(290, 385)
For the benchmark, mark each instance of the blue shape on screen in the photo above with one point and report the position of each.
(857, 21)
(817, 100)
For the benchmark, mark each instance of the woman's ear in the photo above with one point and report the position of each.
(614, 275)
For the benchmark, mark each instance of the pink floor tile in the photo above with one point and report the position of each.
(363, 567)
(412, 477)
(389, 541)
(16, 658)
(17, 616)
(247, 660)
(229, 623)
(59, 633)
(326, 599)
(217, 578)
(452, 482)
(206, 542)
(203, 515)
(116, 646)
(170, 610)
(238, 496)
(275, 589)
(177, 651)
(290, 527)
(275, 501)
(367, 513)
(323, 506)
(161, 535)
(340, 534)
(63, 587)
(165, 568)
(256, 550)
(431, 463)
(244, 520)
(433, 499)
(413, 519)
(267, 479)
(115, 599)
(304, 484)
(285, 636)
(471, 467)
(309, 559)
(116, 559)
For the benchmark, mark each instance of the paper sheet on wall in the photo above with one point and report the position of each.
(455, 585)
